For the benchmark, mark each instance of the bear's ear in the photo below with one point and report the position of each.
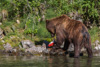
(64, 15)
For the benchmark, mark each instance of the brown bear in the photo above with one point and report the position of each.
(69, 31)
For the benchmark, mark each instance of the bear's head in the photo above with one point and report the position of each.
(54, 23)
(50, 27)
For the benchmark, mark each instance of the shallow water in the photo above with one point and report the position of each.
(48, 61)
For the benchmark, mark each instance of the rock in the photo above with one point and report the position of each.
(83, 50)
(97, 45)
(4, 14)
(15, 50)
(60, 52)
(71, 47)
(2, 41)
(7, 30)
(75, 16)
(7, 47)
(38, 49)
(31, 48)
(46, 51)
(0, 23)
(96, 42)
(26, 44)
(13, 28)
(18, 21)
(1, 36)
(35, 49)
(1, 31)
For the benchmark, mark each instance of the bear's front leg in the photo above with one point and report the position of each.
(58, 43)
(77, 51)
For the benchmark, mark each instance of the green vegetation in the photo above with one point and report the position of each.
(95, 34)
(25, 19)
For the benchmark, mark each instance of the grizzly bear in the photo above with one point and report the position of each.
(69, 31)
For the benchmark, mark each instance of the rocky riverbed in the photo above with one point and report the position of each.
(28, 48)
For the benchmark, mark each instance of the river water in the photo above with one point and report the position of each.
(48, 61)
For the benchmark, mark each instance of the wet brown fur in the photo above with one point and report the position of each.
(69, 31)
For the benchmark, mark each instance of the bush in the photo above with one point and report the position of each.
(94, 33)
(42, 31)
(30, 13)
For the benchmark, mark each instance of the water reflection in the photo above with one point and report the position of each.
(76, 62)
(62, 61)
(48, 61)
(80, 62)
(56, 61)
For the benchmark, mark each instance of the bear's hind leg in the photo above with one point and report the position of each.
(88, 46)
(89, 50)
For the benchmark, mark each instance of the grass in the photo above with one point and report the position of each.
(94, 33)
(7, 23)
